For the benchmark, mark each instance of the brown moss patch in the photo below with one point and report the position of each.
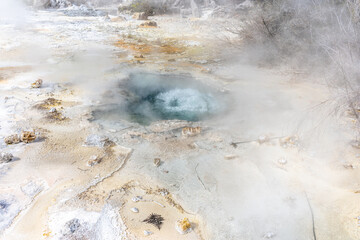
(56, 116)
(49, 103)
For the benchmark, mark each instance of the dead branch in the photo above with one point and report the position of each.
(197, 174)
(267, 28)
(312, 216)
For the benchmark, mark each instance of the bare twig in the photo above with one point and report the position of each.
(197, 174)
(312, 216)
(234, 144)
(84, 170)
(267, 28)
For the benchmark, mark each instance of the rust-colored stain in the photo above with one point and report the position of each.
(8, 72)
(15, 69)
(144, 48)
(171, 49)
(140, 48)
(146, 26)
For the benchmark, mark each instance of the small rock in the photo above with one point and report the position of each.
(140, 16)
(27, 136)
(164, 192)
(157, 162)
(231, 156)
(183, 226)
(263, 139)
(193, 145)
(291, 141)
(282, 161)
(201, 61)
(149, 24)
(73, 225)
(147, 233)
(134, 209)
(52, 110)
(6, 157)
(269, 235)
(190, 131)
(93, 160)
(12, 139)
(348, 166)
(98, 141)
(136, 199)
(37, 84)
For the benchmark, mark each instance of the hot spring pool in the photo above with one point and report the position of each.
(148, 97)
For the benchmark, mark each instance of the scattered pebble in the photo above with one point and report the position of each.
(147, 233)
(134, 209)
(348, 166)
(230, 156)
(37, 84)
(149, 24)
(282, 161)
(263, 139)
(193, 145)
(164, 192)
(97, 140)
(94, 160)
(27, 136)
(269, 235)
(136, 199)
(191, 131)
(12, 139)
(6, 157)
(291, 141)
(157, 162)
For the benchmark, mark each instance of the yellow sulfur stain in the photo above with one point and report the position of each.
(184, 224)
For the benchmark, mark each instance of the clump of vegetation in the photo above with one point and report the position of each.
(150, 8)
(316, 37)
(325, 31)
(155, 219)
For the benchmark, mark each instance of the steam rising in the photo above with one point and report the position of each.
(249, 194)
(183, 101)
(13, 11)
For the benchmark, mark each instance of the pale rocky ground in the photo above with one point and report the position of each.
(274, 189)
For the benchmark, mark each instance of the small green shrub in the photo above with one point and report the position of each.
(150, 8)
